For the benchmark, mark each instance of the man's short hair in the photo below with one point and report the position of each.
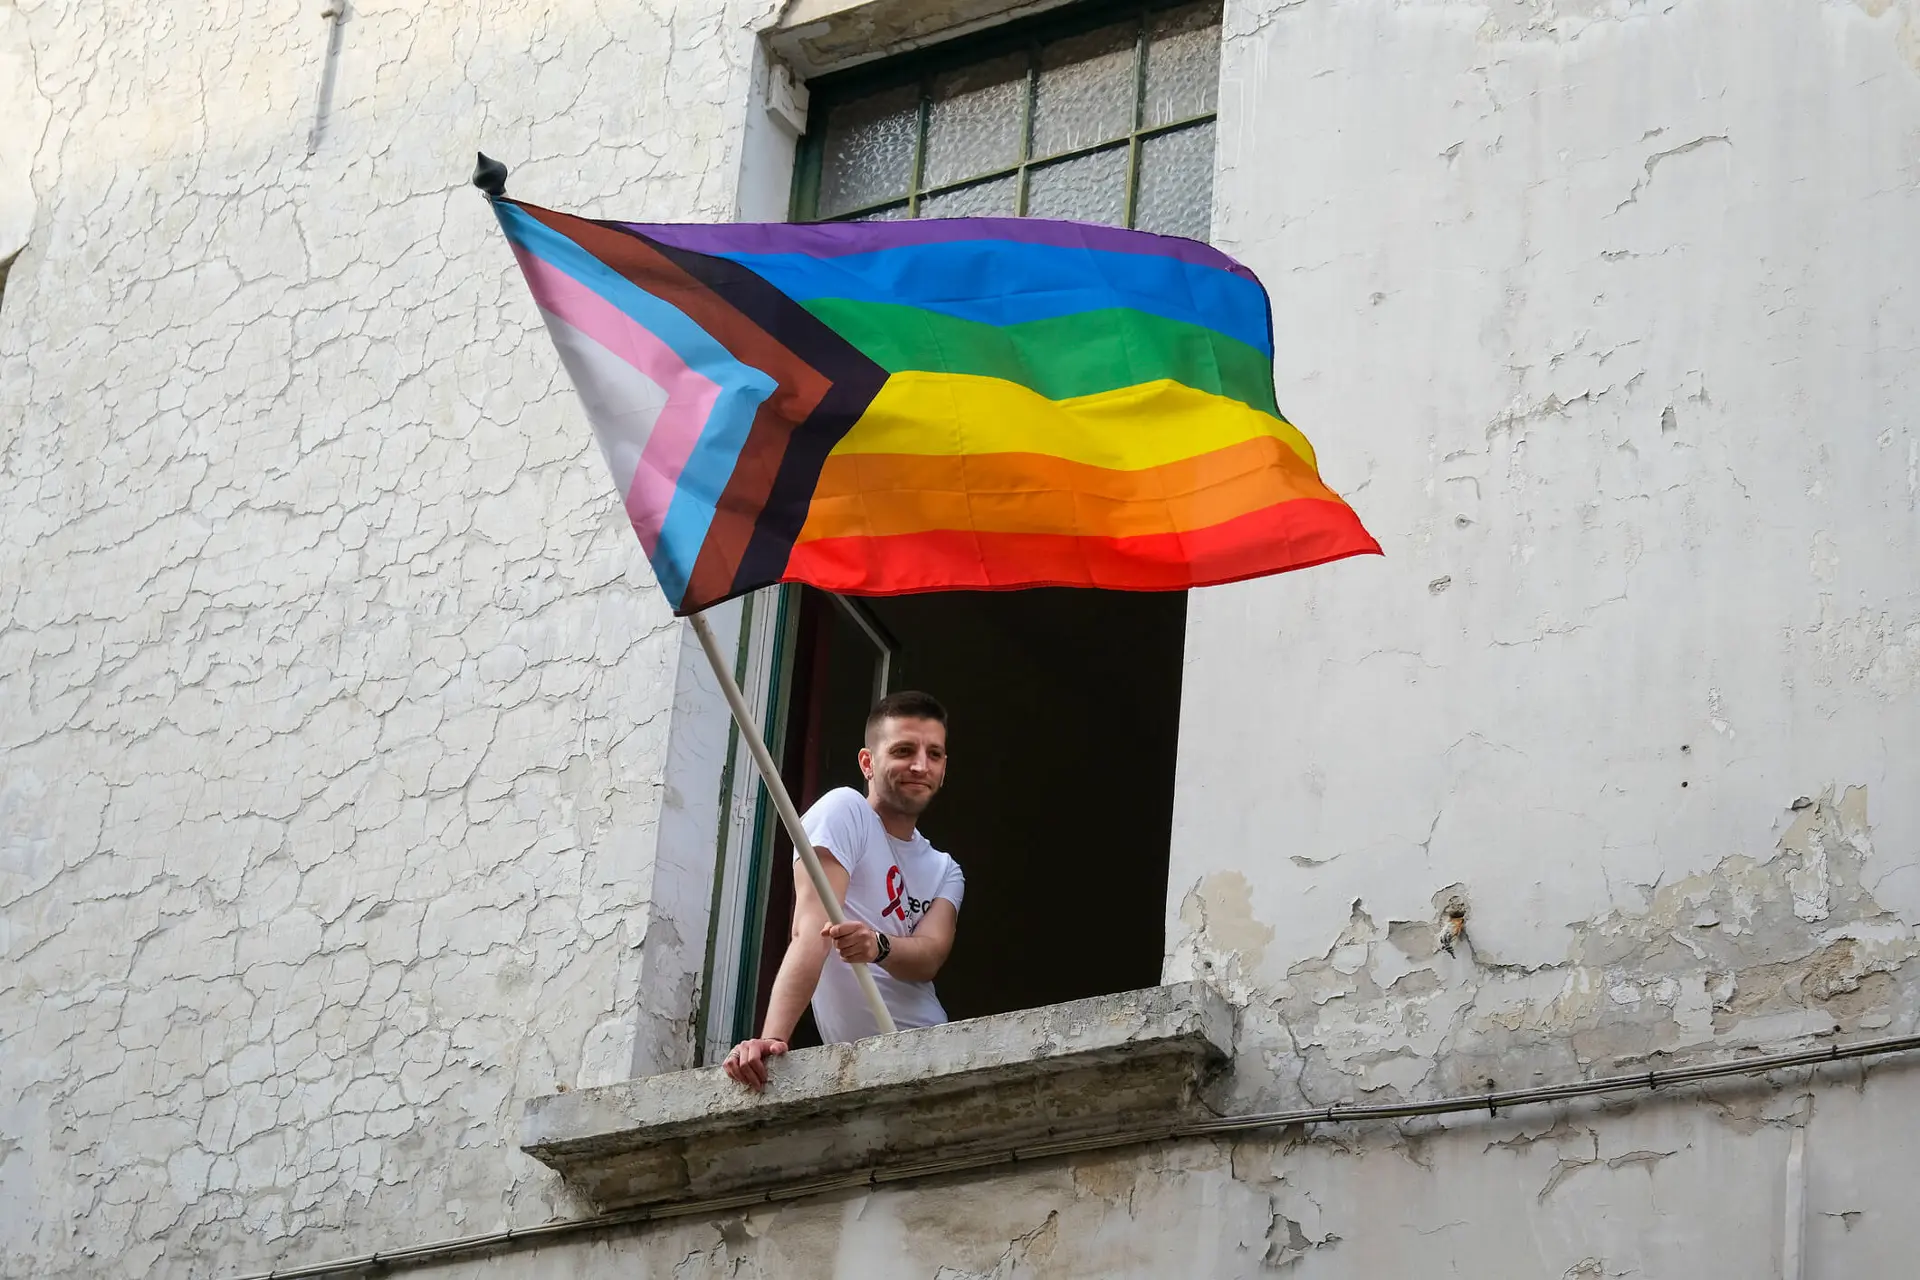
(908, 704)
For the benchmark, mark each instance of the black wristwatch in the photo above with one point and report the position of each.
(885, 945)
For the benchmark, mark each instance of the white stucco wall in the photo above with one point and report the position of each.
(341, 782)
(354, 780)
(1605, 316)
(1674, 1187)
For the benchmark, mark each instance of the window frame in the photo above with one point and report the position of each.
(737, 913)
(922, 67)
(748, 833)
(769, 631)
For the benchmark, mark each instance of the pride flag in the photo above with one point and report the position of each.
(887, 407)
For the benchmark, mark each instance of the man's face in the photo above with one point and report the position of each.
(905, 763)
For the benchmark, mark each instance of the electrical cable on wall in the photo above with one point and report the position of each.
(1338, 1113)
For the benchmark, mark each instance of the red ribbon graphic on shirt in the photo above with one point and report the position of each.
(897, 886)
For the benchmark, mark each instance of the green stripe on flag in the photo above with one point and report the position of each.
(1063, 357)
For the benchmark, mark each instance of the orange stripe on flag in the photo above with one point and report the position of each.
(886, 494)
(1288, 535)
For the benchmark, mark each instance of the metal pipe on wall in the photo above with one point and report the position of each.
(1492, 1103)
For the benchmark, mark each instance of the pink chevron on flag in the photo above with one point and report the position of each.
(646, 438)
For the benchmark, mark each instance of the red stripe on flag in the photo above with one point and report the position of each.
(1288, 535)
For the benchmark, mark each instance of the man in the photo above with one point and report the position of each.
(900, 895)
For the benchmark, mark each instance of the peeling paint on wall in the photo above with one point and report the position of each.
(1228, 943)
(337, 714)
(335, 700)
(1748, 953)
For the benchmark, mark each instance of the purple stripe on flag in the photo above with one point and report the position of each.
(837, 239)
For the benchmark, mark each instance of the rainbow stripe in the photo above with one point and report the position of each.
(878, 408)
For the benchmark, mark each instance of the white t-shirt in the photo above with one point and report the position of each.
(891, 884)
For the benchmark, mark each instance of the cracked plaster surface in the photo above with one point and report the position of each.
(1749, 954)
(333, 698)
(26, 111)
(334, 692)
(1563, 335)
(1680, 1185)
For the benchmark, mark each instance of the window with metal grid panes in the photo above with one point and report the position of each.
(1112, 122)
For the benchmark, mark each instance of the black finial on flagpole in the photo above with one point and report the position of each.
(490, 176)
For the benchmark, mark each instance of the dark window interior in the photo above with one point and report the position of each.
(1064, 710)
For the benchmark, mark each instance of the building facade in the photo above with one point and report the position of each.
(357, 789)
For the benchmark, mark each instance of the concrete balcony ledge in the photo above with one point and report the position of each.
(1066, 1071)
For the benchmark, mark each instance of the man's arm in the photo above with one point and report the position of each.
(793, 986)
(917, 957)
(807, 949)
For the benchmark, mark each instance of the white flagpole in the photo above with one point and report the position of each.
(784, 803)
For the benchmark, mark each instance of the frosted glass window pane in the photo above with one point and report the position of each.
(974, 118)
(982, 200)
(1090, 189)
(892, 213)
(1086, 90)
(1176, 183)
(1183, 64)
(869, 150)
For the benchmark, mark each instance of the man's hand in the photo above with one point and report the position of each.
(747, 1062)
(911, 957)
(857, 943)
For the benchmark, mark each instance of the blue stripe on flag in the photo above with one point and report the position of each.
(1005, 282)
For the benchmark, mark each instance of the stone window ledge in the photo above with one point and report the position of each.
(1062, 1072)
(814, 36)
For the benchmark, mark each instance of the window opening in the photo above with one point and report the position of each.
(1065, 703)
(1059, 799)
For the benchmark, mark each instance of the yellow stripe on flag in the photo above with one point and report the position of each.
(1147, 425)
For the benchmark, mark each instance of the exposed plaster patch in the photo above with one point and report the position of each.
(1288, 1242)
(1907, 28)
(1871, 647)
(1752, 952)
(1654, 161)
(1224, 942)
(1109, 1177)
